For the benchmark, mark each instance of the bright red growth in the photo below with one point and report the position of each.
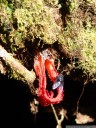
(50, 67)
(46, 97)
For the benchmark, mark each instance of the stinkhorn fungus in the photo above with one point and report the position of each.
(41, 65)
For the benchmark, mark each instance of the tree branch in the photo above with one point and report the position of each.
(29, 76)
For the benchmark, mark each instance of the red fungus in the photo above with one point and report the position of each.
(46, 97)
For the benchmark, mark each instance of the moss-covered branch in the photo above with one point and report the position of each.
(20, 70)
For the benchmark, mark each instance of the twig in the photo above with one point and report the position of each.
(62, 113)
(81, 94)
(55, 114)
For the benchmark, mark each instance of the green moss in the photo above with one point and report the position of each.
(88, 60)
(79, 38)
(28, 20)
(51, 2)
(73, 5)
(31, 19)
(14, 75)
(37, 21)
